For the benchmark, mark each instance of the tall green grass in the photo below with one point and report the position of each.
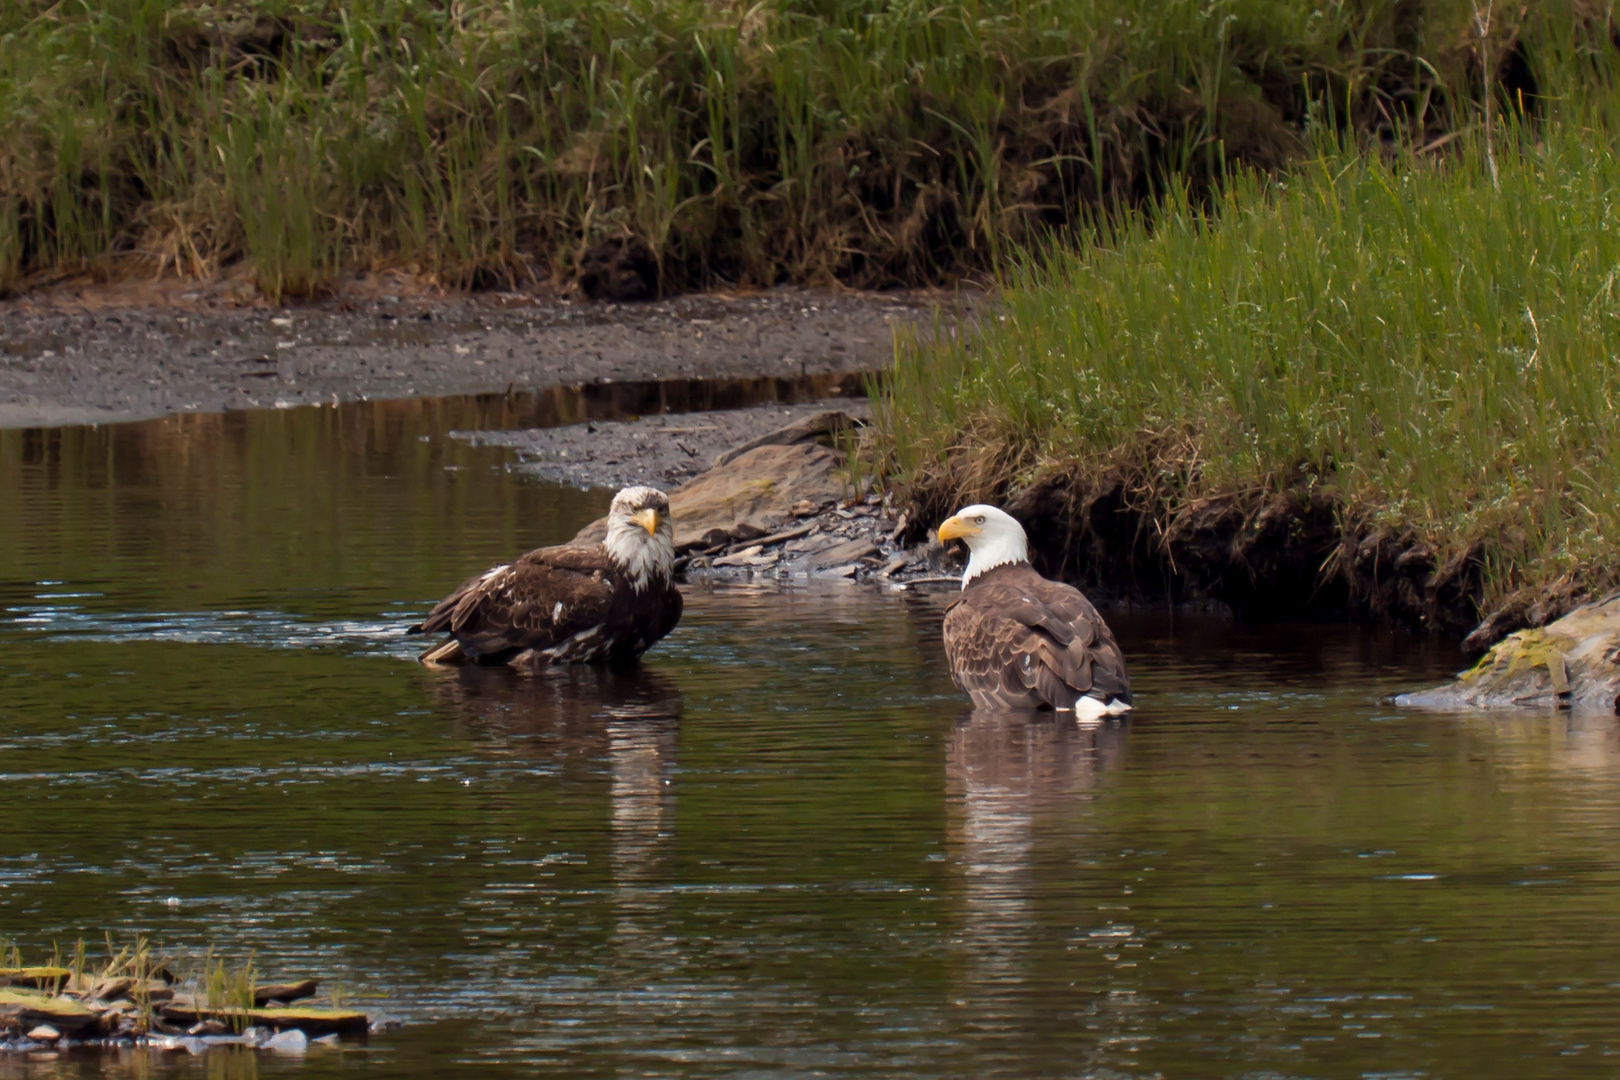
(1440, 348)
(485, 141)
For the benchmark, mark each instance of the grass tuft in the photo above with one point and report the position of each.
(1432, 341)
(486, 142)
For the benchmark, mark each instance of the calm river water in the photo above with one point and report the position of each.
(784, 848)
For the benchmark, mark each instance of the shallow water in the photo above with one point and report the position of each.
(784, 847)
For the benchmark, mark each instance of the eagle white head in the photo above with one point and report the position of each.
(994, 538)
(640, 539)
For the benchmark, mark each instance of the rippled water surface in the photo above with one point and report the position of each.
(783, 847)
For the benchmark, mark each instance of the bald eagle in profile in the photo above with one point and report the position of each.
(566, 604)
(1018, 641)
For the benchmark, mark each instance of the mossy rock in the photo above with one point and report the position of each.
(30, 1007)
(1573, 663)
(37, 977)
(312, 1022)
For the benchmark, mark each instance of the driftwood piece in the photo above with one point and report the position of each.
(112, 989)
(291, 991)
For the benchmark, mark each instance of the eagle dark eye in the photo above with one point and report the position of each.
(979, 520)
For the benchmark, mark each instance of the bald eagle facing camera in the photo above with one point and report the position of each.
(565, 604)
(1016, 640)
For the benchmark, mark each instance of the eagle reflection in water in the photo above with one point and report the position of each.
(1007, 775)
(575, 717)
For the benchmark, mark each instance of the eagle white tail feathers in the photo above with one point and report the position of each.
(1089, 708)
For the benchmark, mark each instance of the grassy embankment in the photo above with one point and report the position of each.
(484, 142)
(1382, 383)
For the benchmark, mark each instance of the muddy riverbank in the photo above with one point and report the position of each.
(102, 356)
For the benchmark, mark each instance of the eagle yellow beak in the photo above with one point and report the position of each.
(954, 528)
(648, 519)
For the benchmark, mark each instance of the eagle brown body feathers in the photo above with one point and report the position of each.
(1016, 640)
(554, 605)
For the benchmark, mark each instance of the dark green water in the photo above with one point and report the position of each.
(784, 848)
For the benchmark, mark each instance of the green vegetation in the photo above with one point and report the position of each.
(1432, 344)
(129, 989)
(487, 141)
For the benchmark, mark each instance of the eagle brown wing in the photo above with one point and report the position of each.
(534, 602)
(668, 616)
(1017, 640)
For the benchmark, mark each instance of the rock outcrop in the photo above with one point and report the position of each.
(752, 490)
(1573, 663)
(785, 505)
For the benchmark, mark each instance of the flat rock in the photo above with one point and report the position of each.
(44, 1033)
(29, 1007)
(1573, 663)
(308, 1020)
(39, 977)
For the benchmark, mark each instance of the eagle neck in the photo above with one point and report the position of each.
(984, 559)
(644, 560)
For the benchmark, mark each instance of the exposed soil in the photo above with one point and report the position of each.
(105, 354)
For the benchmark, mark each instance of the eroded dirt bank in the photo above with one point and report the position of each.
(1299, 553)
(71, 358)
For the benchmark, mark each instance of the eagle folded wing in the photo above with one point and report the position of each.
(1005, 644)
(535, 602)
(1090, 661)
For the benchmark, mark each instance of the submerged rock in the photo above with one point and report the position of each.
(291, 1041)
(1573, 663)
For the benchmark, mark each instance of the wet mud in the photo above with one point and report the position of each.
(72, 359)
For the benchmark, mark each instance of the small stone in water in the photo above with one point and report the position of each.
(326, 1040)
(45, 1033)
(291, 1041)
